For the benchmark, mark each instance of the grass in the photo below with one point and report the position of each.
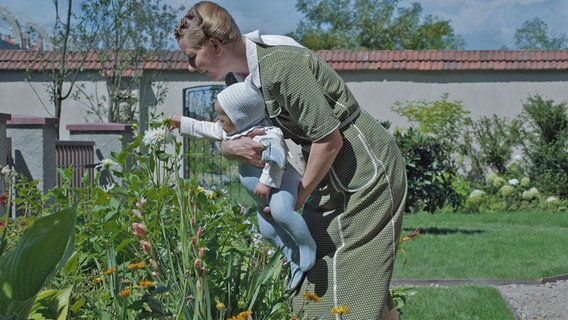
(456, 303)
(490, 245)
(506, 245)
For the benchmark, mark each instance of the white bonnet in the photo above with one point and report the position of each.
(243, 103)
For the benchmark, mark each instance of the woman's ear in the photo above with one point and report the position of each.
(216, 44)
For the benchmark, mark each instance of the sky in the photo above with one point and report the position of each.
(483, 24)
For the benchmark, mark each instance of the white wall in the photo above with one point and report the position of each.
(482, 93)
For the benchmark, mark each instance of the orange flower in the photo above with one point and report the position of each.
(138, 265)
(109, 271)
(146, 283)
(244, 315)
(415, 233)
(311, 297)
(125, 293)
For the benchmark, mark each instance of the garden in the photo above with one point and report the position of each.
(488, 198)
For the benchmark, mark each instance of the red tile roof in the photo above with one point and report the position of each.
(341, 60)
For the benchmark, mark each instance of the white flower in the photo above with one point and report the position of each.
(525, 181)
(107, 187)
(498, 182)
(531, 194)
(106, 164)
(476, 196)
(551, 199)
(158, 136)
(476, 193)
(506, 190)
(8, 172)
(514, 182)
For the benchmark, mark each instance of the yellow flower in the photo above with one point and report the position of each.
(146, 284)
(244, 315)
(311, 297)
(138, 265)
(124, 293)
(220, 306)
(339, 310)
(109, 271)
(98, 279)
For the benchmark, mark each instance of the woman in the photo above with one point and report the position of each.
(354, 184)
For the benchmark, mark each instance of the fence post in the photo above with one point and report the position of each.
(33, 148)
(3, 139)
(4, 153)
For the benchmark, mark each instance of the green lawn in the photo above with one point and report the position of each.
(490, 245)
(505, 245)
(456, 303)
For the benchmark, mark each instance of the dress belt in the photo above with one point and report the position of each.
(350, 119)
(342, 125)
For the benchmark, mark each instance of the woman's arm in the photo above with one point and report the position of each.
(322, 156)
(245, 149)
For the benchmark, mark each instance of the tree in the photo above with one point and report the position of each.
(124, 34)
(534, 34)
(371, 24)
(58, 68)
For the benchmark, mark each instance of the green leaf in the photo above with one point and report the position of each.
(51, 304)
(41, 251)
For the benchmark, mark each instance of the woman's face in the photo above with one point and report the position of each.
(204, 59)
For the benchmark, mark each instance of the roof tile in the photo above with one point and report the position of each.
(424, 60)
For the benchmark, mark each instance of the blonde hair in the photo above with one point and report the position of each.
(205, 20)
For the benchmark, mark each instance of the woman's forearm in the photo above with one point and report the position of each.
(243, 149)
(322, 156)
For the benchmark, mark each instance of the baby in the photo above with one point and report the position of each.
(240, 109)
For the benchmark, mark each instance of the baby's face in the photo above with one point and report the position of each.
(226, 123)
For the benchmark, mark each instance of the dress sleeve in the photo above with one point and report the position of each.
(295, 88)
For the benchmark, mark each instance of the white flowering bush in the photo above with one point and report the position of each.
(502, 193)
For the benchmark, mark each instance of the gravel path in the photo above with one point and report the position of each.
(547, 301)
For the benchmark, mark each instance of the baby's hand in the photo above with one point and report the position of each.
(262, 190)
(173, 122)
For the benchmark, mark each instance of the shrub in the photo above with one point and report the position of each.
(429, 170)
(545, 144)
(495, 137)
(431, 150)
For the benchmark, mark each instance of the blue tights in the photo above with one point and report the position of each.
(287, 228)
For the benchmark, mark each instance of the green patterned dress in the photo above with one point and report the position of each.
(355, 214)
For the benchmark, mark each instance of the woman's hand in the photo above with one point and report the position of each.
(245, 149)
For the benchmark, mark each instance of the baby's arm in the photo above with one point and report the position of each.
(262, 190)
(197, 128)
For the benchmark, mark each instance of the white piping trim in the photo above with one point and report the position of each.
(334, 266)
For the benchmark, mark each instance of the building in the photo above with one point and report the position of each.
(486, 82)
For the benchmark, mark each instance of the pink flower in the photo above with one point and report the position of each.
(194, 241)
(197, 263)
(137, 213)
(139, 229)
(140, 203)
(146, 246)
(201, 252)
(199, 231)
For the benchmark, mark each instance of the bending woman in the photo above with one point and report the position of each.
(354, 184)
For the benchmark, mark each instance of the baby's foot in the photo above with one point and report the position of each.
(307, 254)
(295, 277)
